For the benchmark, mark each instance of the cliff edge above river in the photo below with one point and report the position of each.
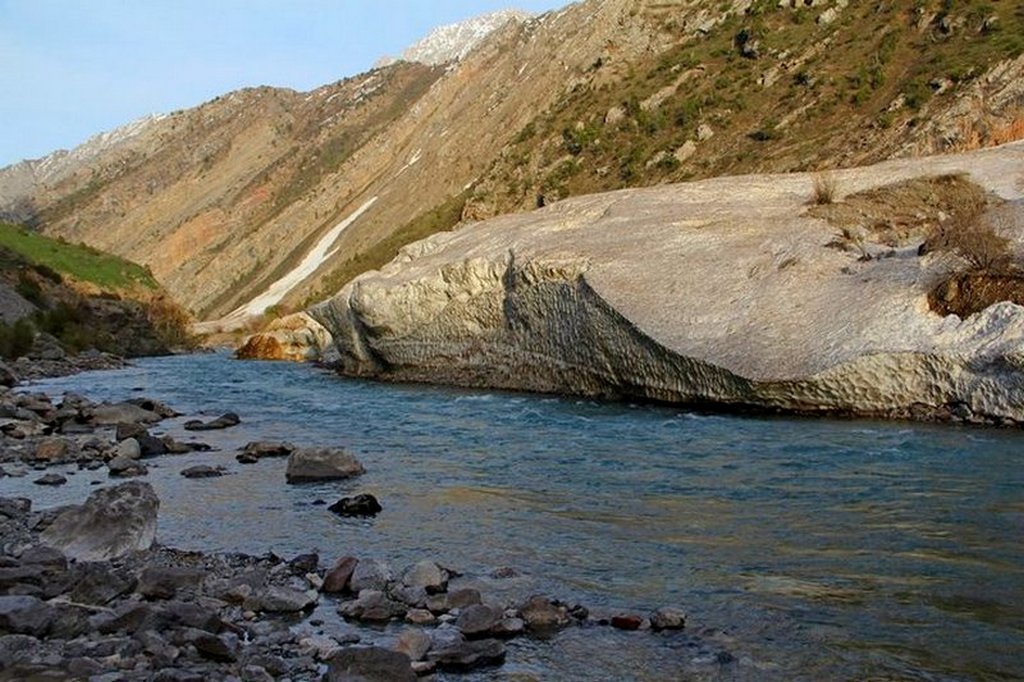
(731, 292)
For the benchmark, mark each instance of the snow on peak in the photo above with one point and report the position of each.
(454, 41)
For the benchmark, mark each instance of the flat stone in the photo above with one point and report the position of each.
(312, 464)
(163, 582)
(276, 599)
(51, 479)
(369, 664)
(478, 620)
(25, 615)
(627, 622)
(203, 471)
(469, 655)
(224, 421)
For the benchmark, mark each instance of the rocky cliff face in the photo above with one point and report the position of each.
(277, 197)
(717, 292)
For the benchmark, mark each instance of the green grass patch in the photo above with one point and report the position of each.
(79, 262)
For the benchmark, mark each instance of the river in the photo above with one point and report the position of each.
(801, 549)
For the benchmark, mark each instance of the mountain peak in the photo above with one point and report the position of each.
(452, 42)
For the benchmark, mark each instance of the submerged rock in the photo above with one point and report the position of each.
(113, 522)
(224, 421)
(360, 505)
(203, 471)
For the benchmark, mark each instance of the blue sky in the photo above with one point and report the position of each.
(72, 68)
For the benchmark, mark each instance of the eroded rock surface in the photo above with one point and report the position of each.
(716, 292)
(113, 522)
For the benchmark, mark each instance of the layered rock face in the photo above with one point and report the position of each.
(717, 292)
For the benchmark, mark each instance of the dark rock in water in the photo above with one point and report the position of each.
(307, 465)
(151, 446)
(125, 467)
(369, 664)
(113, 522)
(125, 431)
(155, 406)
(478, 620)
(246, 458)
(25, 615)
(468, 655)
(627, 622)
(51, 479)
(337, 579)
(305, 563)
(261, 449)
(224, 421)
(504, 573)
(203, 471)
(373, 606)
(360, 505)
(668, 618)
(541, 614)
(112, 414)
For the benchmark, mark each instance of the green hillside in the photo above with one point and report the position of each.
(81, 263)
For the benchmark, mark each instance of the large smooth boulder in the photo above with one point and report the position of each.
(321, 464)
(111, 414)
(113, 522)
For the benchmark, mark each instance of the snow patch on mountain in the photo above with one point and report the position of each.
(452, 42)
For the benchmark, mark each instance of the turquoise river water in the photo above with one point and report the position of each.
(801, 549)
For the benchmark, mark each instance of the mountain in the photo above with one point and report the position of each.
(453, 42)
(270, 198)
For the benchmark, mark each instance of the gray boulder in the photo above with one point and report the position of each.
(113, 522)
(111, 414)
(668, 618)
(369, 664)
(321, 464)
(25, 615)
(371, 574)
(428, 575)
(285, 600)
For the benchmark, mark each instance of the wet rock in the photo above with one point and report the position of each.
(627, 622)
(428, 575)
(220, 648)
(415, 597)
(312, 464)
(263, 449)
(360, 505)
(155, 406)
(456, 599)
(51, 479)
(7, 376)
(668, 618)
(504, 573)
(224, 421)
(371, 574)
(164, 582)
(305, 563)
(246, 458)
(112, 414)
(414, 643)
(204, 471)
(478, 620)
(541, 614)
(372, 606)
(321, 647)
(468, 655)
(25, 615)
(276, 599)
(337, 579)
(369, 664)
(113, 522)
(124, 467)
(151, 446)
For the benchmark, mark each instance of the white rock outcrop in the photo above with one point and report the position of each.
(715, 292)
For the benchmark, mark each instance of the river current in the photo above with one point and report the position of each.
(801, 549)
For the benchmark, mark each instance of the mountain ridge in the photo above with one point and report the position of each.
(226, 199)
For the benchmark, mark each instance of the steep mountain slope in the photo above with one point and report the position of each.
(281, 197)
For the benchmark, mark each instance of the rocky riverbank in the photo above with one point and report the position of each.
(86, 591)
